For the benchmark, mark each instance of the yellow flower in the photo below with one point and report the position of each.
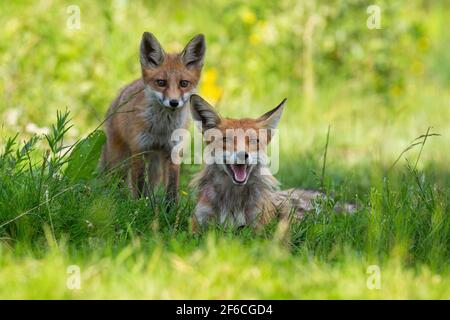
(265, 32)
(248, 16)
(395, 90)
(417, 67)
(209, 88)
(423, 43)
(255, 38)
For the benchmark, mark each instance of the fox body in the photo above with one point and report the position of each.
(140, 121)
(241, 190)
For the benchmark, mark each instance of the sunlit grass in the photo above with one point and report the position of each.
(218, 269)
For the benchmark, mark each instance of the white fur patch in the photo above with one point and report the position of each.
(203, 212)
(159, 97)
(153, 96)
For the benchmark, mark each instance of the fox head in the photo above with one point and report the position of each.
(240, 143)
(171, 78)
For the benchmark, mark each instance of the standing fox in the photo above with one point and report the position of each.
(140, 121)
(240, 190)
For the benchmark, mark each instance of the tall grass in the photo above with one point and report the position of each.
(56, 213)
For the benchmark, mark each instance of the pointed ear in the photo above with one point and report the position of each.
(202, 111)
(270, 119)
(151, 52)
(194, 52)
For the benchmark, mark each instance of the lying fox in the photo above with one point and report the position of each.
(141, 119)
(240, 190)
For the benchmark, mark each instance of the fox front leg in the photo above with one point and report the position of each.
(203, 214)
(154, 172)
(137, 181)
(172, 172)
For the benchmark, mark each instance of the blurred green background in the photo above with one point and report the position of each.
(377, 88)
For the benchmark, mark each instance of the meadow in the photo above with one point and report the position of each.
(367, 120)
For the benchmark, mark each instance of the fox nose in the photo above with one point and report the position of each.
(242, 157)
(173, 103)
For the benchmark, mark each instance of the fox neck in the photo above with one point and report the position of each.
(156, 112)
(160, 123)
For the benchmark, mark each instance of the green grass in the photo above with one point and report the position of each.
(129, 248)
(377, 90)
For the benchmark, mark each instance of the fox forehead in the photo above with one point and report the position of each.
(239, 131)
(239, 124)
(234, 134)
(172, 68)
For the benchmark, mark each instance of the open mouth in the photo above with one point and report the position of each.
(239, 172)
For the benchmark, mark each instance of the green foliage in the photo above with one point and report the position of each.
(84, 158)
(376, 90)
(69, 216)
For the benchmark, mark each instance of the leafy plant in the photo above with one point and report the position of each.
(84, 158)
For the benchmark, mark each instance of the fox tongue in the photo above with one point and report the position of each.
(240, 172)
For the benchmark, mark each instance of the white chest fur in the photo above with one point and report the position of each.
(161, 123)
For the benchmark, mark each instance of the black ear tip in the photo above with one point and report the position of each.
(193, 98)
(199, 39)
(282, 103)
(147, 36)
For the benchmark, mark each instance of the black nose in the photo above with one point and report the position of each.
(242, 157)
(173, 103)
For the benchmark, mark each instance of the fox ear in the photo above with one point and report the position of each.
(270, 119)
(194, 52)
(151, 52)
(203, 112)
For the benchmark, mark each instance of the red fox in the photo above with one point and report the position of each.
(241, 190)
(141, 119)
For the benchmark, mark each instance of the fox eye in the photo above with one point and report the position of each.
(161, 82)
(184, 83)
